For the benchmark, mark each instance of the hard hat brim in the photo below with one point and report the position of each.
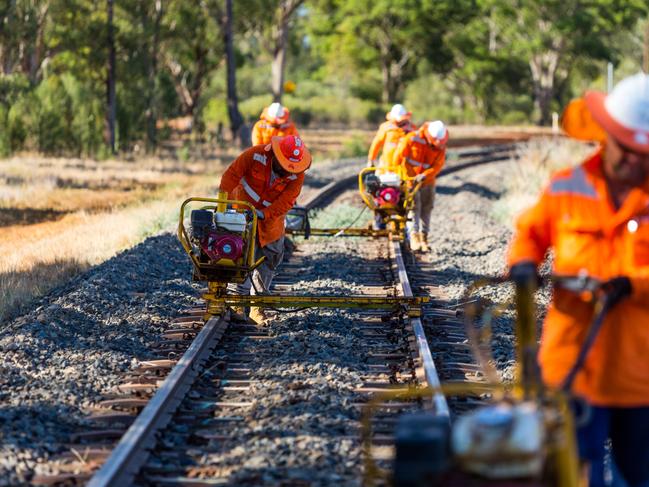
(390, 118)
(287, 165)
(637, 140)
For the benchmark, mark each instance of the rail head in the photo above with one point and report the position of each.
(440, 404)
(133, 449)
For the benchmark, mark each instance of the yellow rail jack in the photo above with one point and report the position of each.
(218, 236)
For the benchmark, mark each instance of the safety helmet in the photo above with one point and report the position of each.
(275, 113)
(436, 133)
(291, 153)
(624, 112)
(398, 113)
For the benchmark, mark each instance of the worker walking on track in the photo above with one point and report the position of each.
(421, 155)
(595, 217)
(397, 125)
(270, 177)
(274, 121)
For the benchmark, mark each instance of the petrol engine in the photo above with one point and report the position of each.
(220, 235)
(385, 189)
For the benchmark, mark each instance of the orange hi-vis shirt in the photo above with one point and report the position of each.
(575, 217)
(249, 179)
(414, 156)
(264, 130)
(387, 138)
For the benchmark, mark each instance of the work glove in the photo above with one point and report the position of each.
(420, 178)
(525, 274)
(616, 289)
(260, 214)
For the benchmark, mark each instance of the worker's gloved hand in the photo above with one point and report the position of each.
(420, 178)
(260, 214)
(370, 163)
(616, 289)
(525, 274)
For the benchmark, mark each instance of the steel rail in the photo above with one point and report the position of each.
(132, 451)
(440, 405)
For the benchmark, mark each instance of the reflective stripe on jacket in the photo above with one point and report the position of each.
(414, 155)
(249, 179)
(263, 131)
(387, 138)
(574, 216)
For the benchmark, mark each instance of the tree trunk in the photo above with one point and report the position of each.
(277, 67)
(279, 62)
(110, 82)
(544, 67)
(152, 77)
(386, 94)
(196, 110)
(236, 120)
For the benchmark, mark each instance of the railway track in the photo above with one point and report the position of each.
(191, 416)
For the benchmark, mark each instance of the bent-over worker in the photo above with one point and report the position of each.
(421, 155)
(270, 177)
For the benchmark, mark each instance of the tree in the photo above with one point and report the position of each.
(191, 52)
(551, 35)
(392, 34)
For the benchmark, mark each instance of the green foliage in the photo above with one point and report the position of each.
(356, 146)
(463, 61)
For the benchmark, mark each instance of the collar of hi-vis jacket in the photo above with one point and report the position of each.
(265, 159)
(268, 124)
(635, 203)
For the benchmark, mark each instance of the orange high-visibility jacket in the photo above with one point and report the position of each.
(264, 130)
(387, 137)
(248, 179)
(414, 155)
(575, 217)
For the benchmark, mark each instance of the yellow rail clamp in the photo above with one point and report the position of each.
(217, 303)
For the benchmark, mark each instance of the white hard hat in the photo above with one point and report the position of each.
(276, 110)
(398, 113)
(436, 132)
(624, 113)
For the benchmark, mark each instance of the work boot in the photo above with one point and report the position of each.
(415, 243)
(257, 315)
(238, 313)
(423, 242)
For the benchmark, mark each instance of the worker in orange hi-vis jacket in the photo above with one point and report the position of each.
(595, 218)
(421, 155)
(274, 121)
(270, 177)
(397, 125)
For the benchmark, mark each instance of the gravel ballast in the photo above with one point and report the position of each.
(77, 342)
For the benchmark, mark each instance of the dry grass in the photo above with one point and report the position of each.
(526, 177)
(60, 216)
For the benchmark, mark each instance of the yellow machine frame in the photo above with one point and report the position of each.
(395, 218)
(227, 271)
(236, 271)
(563, 459)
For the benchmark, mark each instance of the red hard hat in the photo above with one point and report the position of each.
(291, 153)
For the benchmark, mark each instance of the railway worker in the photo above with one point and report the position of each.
(421, 154)
(595, 216)
(270, 177)
(397, 125)
(274, 121)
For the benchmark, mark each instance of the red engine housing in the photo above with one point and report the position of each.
(219, 246)
(388, 197)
